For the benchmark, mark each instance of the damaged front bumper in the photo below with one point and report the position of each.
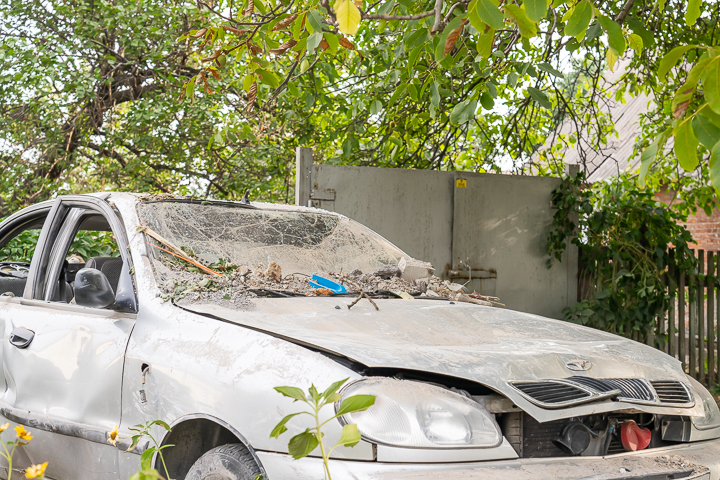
(699, 460)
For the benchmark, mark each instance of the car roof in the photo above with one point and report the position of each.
(155, 197)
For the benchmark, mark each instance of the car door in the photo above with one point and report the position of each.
(64, 362)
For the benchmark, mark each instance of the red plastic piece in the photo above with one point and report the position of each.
(634, 437)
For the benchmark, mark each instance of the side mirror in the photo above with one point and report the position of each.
(92, 289)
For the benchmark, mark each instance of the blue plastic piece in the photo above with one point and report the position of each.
(322, 282)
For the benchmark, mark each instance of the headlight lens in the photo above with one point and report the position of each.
(418, 415)
(712, 413)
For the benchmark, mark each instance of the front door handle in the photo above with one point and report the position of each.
(21, 337)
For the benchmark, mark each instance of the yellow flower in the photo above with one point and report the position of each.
(4, 427)
(36, 471)
(114, 436)
(22, 433)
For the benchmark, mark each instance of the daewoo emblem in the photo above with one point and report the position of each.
(579, 365)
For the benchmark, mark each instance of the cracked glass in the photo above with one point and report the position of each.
(305, 242)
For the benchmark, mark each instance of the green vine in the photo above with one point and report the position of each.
(627, 241)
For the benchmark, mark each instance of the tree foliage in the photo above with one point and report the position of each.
(91, 89)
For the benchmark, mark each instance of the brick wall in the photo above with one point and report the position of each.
(705, 230)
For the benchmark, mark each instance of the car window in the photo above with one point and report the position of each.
(17, 246)
(21, 247)
(85, 241)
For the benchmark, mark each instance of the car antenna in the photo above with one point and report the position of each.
(245, 200)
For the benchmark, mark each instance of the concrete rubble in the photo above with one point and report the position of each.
(236, 285)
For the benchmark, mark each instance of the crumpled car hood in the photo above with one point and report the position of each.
(491, 346)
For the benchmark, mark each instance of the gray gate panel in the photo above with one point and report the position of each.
(501, 224)
(411, 208)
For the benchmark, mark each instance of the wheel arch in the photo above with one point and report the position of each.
(192, 436)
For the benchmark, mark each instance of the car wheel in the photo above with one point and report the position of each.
(226, 462)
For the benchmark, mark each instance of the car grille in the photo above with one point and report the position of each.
(630, 388)
(556, 393)
(671, 391)
(553, 393)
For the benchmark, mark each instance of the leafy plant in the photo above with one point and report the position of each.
(146, 471)
(628, 240)
(304, 443)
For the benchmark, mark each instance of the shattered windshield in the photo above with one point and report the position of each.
(306, 242)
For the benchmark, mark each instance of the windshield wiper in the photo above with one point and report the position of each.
(265, 292)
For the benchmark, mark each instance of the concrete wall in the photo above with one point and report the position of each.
(487, 229)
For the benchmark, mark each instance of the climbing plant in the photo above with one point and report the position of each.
(627, 240)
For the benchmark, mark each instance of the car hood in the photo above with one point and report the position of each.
(491, 346)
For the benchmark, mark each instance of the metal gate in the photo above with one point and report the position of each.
(486, 230)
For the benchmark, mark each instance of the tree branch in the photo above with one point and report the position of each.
(624, 12)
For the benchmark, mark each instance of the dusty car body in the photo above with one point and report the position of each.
(73, 373)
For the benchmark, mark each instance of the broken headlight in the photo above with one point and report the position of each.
(419, 415)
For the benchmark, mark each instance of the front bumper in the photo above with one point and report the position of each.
(701, 457)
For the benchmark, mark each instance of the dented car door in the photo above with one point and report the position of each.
(64, 362)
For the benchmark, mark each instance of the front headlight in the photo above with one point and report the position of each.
(419, 415)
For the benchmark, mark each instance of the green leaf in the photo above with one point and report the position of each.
(693, 12)
(540, 97)
(356, 403)
(350, 435)
(646, 159)
(711, 84)
(715, 166)
(707, 132)
(579, 19)
(146, 458)
(684, 94)
(190, 89)
(396, 94)
(297, 27)
(314, 393)
(434, 95)
(686, 146)
(536, 9)
(161, 423)
(616, 39)
(487, 12)
(485, 43)
(313, 41)
(546, 67)
(334, 388)
(333, 42)
(315, 20)
(528, 29)
(639, 28)
(280, 428)
(463, 112)
(268, 77)
(487, 101)
(292, 392)
(671, 58)
(636, 42)
(302, 444)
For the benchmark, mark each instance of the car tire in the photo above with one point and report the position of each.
(226, 462)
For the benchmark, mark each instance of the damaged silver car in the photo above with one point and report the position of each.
(206, 306)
